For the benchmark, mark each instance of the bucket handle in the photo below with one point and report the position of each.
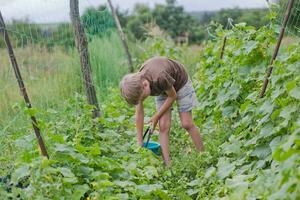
(149, 135)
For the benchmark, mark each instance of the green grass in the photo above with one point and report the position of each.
(52, 76)
(49, 77)
(108, 62)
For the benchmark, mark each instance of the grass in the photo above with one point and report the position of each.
(49, 77)
(108, 62)
(52, 76)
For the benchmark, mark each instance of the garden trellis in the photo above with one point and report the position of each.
(292, 28)
(229, 24)
(22, 86)
(122, 35)
(289, 20)
(49, 63)
(82, 46)
(287, 16)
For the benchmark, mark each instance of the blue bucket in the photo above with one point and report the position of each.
(153, 146)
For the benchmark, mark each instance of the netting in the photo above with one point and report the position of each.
(293, 26)
(44, 46)
(46, 54)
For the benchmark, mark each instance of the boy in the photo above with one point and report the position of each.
(168, 80)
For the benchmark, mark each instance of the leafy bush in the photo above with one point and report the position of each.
(260, 159)
(87, 158)
(98, 22)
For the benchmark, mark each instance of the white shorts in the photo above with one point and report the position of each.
(186, 98)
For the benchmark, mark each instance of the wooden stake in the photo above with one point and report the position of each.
(82, 47)
(22, 85)
(122, 35)
(223, 48)
(269, 70)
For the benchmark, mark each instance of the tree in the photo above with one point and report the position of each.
(98, 21)
(141, 16)
(170, 18)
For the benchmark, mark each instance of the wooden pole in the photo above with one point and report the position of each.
(22, 85)
(122, 35)
(269, 70)
(223, 48)
(82, 47)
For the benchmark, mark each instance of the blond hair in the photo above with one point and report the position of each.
(131, 88)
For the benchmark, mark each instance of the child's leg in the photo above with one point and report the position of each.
(164, 128)
(187, 123)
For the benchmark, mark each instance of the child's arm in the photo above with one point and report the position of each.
(139, 120)
(166, 106)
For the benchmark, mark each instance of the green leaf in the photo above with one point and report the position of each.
(228, 111)
(68, 176)
(95, 150)
(106, 183)
(224, 168)
(295, 93)
(266, 131)
(150, 172)
(232, 147)
(68, 150)
(100, 175)
(275, 143)
(291, 85)
(20, 173)
(252, 96)
(66, 172)
(267, 107)
(124, 184)
(79, 191)
(251, 45)
(191, 192)
(31, 111)
(239, 182)
(261, 151)
(277, 92)
(26, 142)
(210, 172)
(63, 148)
(149, 188)
(287, 112)
(70, 180)
(194, 183)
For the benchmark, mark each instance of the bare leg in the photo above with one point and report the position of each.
(187, 123)
(164, 128)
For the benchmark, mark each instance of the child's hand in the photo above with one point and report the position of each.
(154, 120)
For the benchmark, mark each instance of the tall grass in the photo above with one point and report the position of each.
(49, 77)
(108, 62)
(52, 76)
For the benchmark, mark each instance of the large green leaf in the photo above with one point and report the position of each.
(295, 93)
(225, 168)
(21, 172)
